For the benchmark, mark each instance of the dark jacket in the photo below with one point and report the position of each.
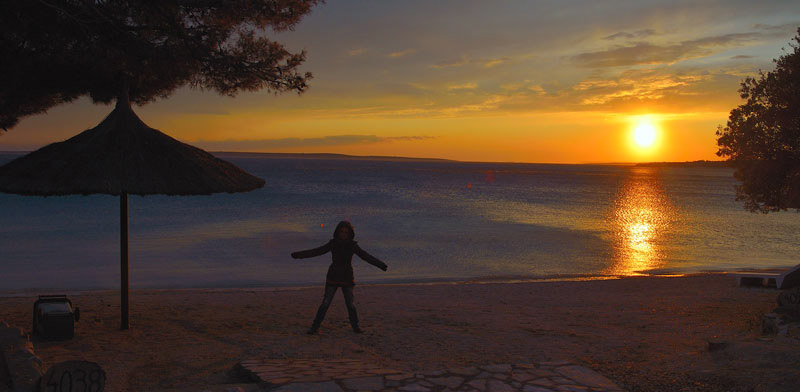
(340, 273)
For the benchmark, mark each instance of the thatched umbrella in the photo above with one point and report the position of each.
(123, 156)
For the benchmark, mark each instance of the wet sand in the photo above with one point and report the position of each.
(644, 333)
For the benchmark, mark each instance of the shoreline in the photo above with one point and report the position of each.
(27, 292)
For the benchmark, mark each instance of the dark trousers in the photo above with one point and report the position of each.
(326, 302)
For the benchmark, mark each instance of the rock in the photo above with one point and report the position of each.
(67, 376)
(9, 333)
(24, 367)
(789, 297)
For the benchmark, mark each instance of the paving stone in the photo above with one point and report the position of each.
(533, 388)
(281, 380)
(328, 386)
(450, 382)
(478, 384)
(415, 387)
(545, 382)
(555, 363)
(516, 384)
(468, 371)
(433, 374)
(542, 373)
(384, 371)
(398, 377)
(561, 380)
(497, 368)
(484, 375)
(522, 376)
(500, 376)
(365, 383)
(586, 377)
(498, 386)
(311, 379)
(571, 388)
(390, 383)
(526, 366)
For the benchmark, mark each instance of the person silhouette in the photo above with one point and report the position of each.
(340, 273)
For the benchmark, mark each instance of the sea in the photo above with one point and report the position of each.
(429, 220)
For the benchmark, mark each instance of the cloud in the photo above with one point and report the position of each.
(464, 60)
(401, 53)
(777, 30)
(493, 62)
(356, 52)
(644, 53)
(742, 57)
(463, 86)
(290, 142)
(452, 63)
(636, 85)
(631, 35)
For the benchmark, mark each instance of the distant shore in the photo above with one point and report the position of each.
(644, 333)
(279, 155)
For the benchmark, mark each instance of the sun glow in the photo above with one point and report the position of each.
(645, 134)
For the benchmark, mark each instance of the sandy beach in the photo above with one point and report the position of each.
(644, 333)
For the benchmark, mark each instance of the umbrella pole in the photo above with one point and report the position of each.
(123, 240)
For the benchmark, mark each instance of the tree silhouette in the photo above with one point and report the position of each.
(55, 51)
(762, 136)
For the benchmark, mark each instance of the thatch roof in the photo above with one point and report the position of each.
(123, 155)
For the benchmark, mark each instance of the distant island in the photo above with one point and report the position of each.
(700, 163)
(229, 154)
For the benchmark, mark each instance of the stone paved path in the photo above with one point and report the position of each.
(352, 376)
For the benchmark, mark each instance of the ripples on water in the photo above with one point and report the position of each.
(427, 220)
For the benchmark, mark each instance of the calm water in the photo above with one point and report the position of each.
(428, 220)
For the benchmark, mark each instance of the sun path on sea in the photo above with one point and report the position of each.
(331, 375)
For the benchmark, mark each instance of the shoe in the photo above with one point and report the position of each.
(357, 330)
(312, 331)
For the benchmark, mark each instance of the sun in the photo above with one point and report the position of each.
(645, 133)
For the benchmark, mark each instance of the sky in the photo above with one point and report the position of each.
(522, 81)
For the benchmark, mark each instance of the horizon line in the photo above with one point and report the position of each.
(395, 157)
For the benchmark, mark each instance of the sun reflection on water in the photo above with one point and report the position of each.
(640, 222)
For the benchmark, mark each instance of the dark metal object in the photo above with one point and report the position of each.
(54, 317)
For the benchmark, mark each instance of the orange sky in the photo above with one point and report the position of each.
(484, 81)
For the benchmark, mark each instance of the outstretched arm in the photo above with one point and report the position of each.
(304, 254)
(370, 258)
